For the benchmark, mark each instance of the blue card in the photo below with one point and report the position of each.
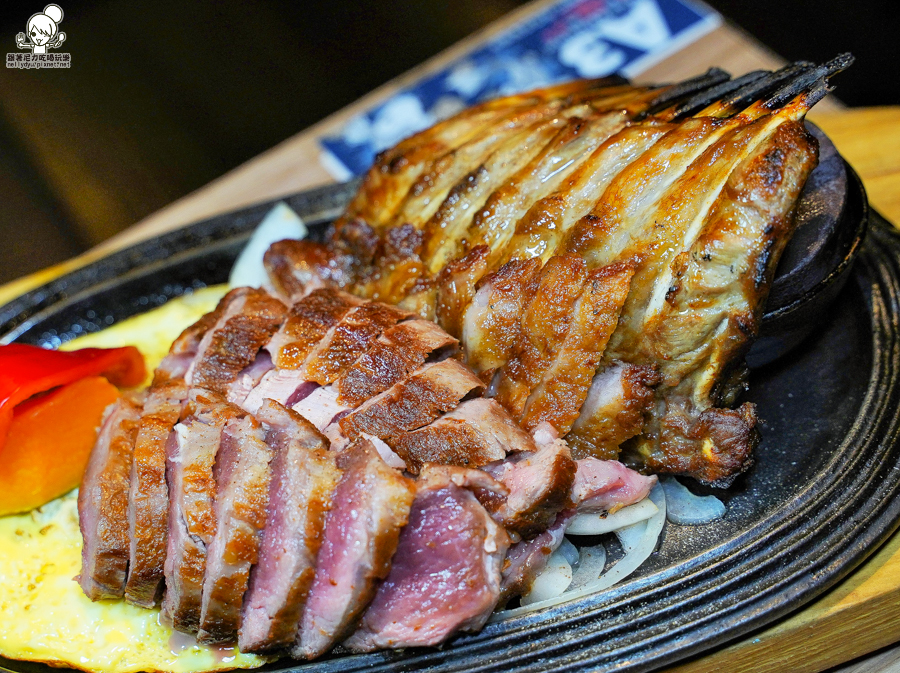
(570, 39)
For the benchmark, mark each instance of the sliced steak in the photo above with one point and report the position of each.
(248, 320)
(351, 338)
(249, 378)
(396, 354)
(321, 407)
(607, 485)
(476, 433)
(413, 403)
(103, 503)
(183, 350)
(285, 386)
(445, 576)
(371, 505)
(304, 476)
(148, 498)
(539, 484)
(307, 322)
(190, 456)
(527, 558)
(242, 474)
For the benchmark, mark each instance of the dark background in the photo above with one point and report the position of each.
(165, 95)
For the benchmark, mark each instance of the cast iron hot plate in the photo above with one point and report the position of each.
(820, 499)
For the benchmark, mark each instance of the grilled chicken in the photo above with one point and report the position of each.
(602, 252)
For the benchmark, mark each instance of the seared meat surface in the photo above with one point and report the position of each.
(569, 236)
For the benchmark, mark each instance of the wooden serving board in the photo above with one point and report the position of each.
(860, 615)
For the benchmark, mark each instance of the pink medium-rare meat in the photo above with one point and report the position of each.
(191, 453)
(243, 474)
(413, 403)
(103, 503)
(307, 322)
(148, 497)
(539, 484)
(248, 320)
(370, 506)
(349, 339)
(396, 354)
(281, 385)
(304, 476)
(607, 485)
(249, 378)
(445, 577)
(527, 558)
(476, 433)
(321, 407)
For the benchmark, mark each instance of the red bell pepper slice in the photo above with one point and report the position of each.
(28, 370)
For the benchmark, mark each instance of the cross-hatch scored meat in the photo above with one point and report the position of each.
(602, 251)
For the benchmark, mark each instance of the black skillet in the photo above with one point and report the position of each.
(821, 497)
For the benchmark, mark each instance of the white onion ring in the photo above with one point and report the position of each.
(552, 581)
(687, 509)
(594, 523)
(641, 537)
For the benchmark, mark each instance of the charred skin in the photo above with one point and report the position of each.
(698, 208)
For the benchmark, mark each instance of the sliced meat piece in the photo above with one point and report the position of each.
(411, 404)
(445, 577)
(285, 386)
(607, 485)
(183, 350)
(619, 398)
(242, 474)
(296, 268)
(476, 433)
(351, 338)
(456, 288)
(249, 378)
(527, 558)
(539, 484)
(103, 503)
(491, 322)
(563, 387)
(304, 476)
(543, 325)
(248, 320)
(371, 505)
(321, 407)
(396, 354)
(307, 322)
(148, 497)
(190, 457)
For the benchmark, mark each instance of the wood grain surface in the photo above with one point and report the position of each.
(862, 614)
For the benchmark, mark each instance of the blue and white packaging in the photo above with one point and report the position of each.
(570, 39)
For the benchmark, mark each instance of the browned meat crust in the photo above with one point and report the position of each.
(249, 319)
(103, 503)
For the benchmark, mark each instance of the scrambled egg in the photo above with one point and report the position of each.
(45, 615)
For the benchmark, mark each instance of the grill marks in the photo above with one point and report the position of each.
(103, 503)
(625, 178)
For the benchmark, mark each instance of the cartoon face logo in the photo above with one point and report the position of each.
(43, 31)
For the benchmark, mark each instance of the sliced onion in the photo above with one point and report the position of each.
(570, 551)
(591, 563)
(594, 523)
(279, 223)
(687, 509)
(552, 581)
(641, 548)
